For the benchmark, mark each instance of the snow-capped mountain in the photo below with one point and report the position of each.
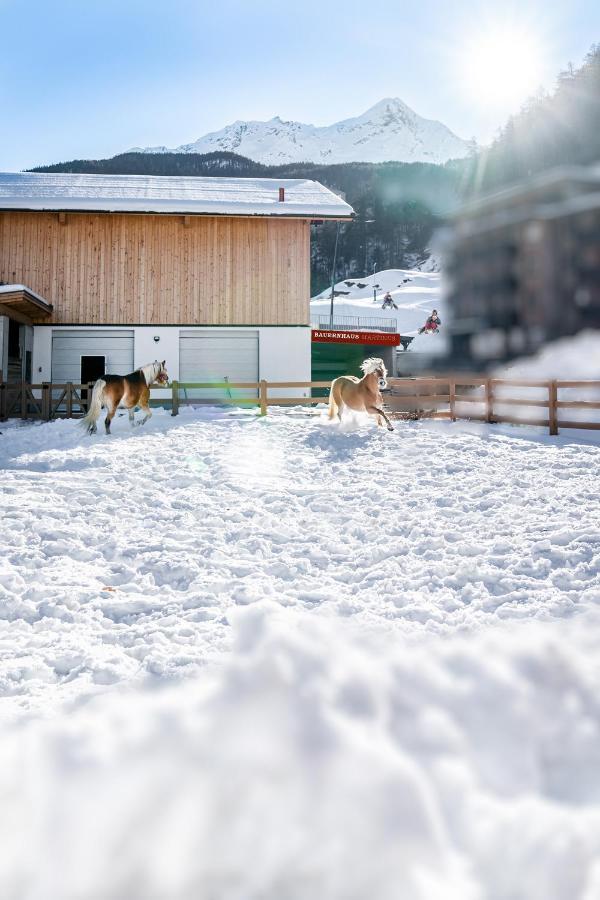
(390, 130)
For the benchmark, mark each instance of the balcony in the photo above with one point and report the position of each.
(354, 323)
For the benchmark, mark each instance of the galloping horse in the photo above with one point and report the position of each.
(129, 391)
(361, 394)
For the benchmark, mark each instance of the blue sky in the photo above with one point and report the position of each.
(91, 79)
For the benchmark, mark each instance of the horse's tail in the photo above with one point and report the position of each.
(95, 407)
(333, 406)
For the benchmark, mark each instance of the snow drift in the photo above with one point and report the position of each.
(315, 762)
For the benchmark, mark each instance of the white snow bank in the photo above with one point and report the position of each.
(319, 761)
(571, 358)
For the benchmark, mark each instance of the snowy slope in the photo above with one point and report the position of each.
(392, 678)
(390, 130)
(415, 293)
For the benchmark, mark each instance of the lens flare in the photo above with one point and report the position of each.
(502, 64)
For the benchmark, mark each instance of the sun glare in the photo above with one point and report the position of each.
(502, 66)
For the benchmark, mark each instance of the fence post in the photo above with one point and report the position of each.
(452, 392)
(69, 400)
(263, 397)
(489, 401)
(174, 398)
(45, 401)
(552, 408)
(24, 403)
(2, 401)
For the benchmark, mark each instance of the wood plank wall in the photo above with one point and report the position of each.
(160, 270)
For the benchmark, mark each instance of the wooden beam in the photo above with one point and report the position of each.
(187, 221)
(13, 314)
(62, 218)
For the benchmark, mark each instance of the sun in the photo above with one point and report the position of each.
(502, 65)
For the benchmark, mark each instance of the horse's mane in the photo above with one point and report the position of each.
(372, 364)
(150, 371)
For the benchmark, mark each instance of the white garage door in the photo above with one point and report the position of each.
(218, 356)
(68, 348)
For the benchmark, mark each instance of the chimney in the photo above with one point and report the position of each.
(281, 194)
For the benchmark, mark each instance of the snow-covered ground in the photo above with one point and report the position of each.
(415, 293)
(275, 658)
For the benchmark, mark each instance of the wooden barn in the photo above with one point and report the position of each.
(102, 273)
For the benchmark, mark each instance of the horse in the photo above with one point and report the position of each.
(129, 391)
(361, 394)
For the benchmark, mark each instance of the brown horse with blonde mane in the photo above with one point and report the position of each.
(129, 391)
(361, 394)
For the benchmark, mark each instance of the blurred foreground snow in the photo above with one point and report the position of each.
(313, 762)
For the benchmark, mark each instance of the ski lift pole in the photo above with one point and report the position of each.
(337, 235)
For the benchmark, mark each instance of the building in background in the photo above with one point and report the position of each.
(103, 273)
(523, 266)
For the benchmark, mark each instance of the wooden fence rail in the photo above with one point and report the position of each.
(453, 397)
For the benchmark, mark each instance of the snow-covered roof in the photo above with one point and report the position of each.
(168, 194)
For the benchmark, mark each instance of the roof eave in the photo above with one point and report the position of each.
(312, 216)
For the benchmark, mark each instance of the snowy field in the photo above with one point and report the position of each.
(415, 293)
(272, 658)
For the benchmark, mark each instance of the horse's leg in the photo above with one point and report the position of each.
(375, 410)
(112, 398)
(339, 400)
(143, 401)
(132, 416)
(111, 409)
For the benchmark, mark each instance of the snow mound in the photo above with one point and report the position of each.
(315, 762)
(570, 358)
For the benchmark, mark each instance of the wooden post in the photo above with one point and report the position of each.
(452, 392)
(69, 400)
(45, 401)
(23, 400)
(263, 397)
(2, 401)
(489, 401)
(174, 398)
(552, 408)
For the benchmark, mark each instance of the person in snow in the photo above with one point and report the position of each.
(432, 324)
(388, 301)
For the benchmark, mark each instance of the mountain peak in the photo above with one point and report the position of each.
(388, 131)
(394, 103)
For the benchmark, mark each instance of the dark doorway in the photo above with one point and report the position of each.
(15, 363)
(92, 368)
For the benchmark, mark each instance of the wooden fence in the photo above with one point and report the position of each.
(485, 399)
(470, 397)
(44, 401)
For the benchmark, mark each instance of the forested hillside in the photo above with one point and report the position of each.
(552, 129)
(398, 205)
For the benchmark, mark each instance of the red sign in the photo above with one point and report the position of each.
(380, 338)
